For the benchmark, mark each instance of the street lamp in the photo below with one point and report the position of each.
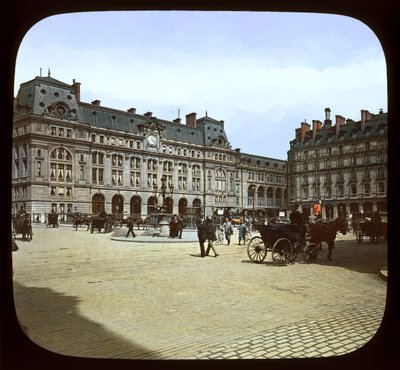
(164, 191)
(252, 187)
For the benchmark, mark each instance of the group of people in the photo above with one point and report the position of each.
(176, 227)
(206, 231)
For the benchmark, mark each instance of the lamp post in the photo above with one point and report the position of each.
(253, 190)
(164, 191)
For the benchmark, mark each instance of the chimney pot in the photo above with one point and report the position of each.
(316, 125)
(191, 119)
(76, 87)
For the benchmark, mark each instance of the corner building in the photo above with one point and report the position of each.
(72, 156)
(340, 169)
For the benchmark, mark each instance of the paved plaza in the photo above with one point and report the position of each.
(107, 296)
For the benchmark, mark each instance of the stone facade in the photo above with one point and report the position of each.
(340, 169)
(72, 156)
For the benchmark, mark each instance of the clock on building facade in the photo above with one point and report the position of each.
(152, 141)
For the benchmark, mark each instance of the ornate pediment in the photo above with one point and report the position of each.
(61, 110)
(151, 124)
(219, 141)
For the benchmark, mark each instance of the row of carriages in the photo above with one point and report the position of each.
(22, 225)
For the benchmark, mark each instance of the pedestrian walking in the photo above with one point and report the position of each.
(211, 229)
(228, 230)
(180, 226)
(202, 234)
(130, 228)
(242, 232)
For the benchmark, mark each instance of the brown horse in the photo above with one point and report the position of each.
(80, 220)
(326, 232)
(142, 221)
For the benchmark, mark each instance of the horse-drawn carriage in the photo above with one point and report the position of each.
(21, 224)
(284, 242)
(52, 219)
(376, 231)
(102, 221)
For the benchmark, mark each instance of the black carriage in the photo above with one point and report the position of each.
(102, 221)
(376, 231)
(52, 220)
(21, 224)
(284, 241)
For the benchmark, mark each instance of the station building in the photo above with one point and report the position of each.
(340, 169)
(72, 156)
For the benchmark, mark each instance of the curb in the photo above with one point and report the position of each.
(149, 239)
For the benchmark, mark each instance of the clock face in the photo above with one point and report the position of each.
(151, 139)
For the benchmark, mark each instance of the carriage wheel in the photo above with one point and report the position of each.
(282, 251)
(311, 252)
(256, 249)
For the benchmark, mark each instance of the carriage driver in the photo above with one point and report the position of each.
(296, 218)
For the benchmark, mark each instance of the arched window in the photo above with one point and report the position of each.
(98, 168)
(270, 197)
(220, 180)
(278, 197)
(135, 171)
(60, 173)
(60, 165)
(98, 203)
(136, 206)
(260, 196)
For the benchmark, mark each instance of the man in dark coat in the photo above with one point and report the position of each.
(130, 228)
(211, 236)
(202, 234)
(295, 217)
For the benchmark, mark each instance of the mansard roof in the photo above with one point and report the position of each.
(44, 95)
(349, 131)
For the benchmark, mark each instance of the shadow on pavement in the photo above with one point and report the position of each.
(53, 322)
(364, 258)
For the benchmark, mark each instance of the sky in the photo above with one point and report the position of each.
(262, 73)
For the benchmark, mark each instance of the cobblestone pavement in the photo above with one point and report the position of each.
(87, 295)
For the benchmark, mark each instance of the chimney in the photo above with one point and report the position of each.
(177, 120)
(132, 110)
(148, 114)
(328, 121)
(316, 125)
(191, 119)
(96, 102)
(301, 131)
(76, 87)
(340, 121)
(365, 116)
